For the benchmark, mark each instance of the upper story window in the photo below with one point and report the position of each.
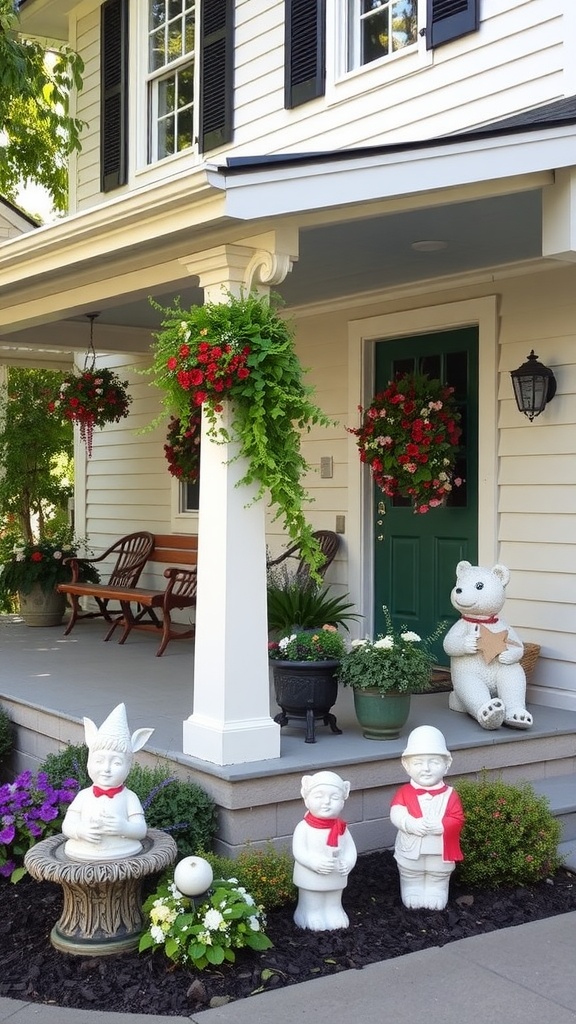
(380, 28)
(172, 68)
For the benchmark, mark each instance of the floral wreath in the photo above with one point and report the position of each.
(409, 437)
(182, 448)
(91, 398)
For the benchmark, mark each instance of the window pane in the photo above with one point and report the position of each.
(404, 24)
(189, 34)
(174, 8)
(175, 40)
(156, 52)
(165, 137)
(157, 13)
(166, 96)
(185, 129)
(186, 87)
(375, 37)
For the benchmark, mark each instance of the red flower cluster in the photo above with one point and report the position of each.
(182, 448)
(92, 398)
(409, 437)
(208, 369)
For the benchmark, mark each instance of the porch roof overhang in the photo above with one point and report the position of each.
(153, 228)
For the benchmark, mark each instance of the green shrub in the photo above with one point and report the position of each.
(179, 807)
(6, 735)
(69, 763)
(266, 874)
(510, 836)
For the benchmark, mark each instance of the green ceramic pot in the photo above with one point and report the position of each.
(381, 715)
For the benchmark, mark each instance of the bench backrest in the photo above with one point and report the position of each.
(175, 549)
(133, 551)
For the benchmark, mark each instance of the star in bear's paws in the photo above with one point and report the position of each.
(492, 644)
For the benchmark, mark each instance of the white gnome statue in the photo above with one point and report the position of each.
(324, 854)
(429, 817)
(106, 821)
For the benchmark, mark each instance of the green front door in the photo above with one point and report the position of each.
(416, 555)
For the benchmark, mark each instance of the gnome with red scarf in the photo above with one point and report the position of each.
(106, 820)
(324, 854)
(429, 817)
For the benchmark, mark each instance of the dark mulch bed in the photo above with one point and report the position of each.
(380, 928)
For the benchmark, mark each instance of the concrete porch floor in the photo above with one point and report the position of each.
(49, 681)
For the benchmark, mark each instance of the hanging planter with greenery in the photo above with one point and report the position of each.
(243, 351)
(92, 399)
(409, 437)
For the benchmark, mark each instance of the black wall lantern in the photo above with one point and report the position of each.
(534, 386)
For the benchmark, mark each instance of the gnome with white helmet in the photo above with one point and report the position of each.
(324, 853)
(106, 820)
(429, 817)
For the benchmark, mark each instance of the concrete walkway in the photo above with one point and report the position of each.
(523, 975)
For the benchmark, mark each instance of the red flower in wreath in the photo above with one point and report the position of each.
(182, 448)
(409, 437)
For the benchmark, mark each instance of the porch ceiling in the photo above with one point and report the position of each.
(367, 254)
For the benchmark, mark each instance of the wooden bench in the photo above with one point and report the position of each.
(180, 592)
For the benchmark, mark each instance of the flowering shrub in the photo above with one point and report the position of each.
(91, 398)
(266, 874)
(243, 350)
(207, 932)
(399, 661)
(510, 835)
(30, 809)
(324, 644)
(182, 448)
(409, 437)
(43, 562)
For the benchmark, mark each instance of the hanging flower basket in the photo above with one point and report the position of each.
(243, 351)
(182, 448)
(409, 437)
(92, 399)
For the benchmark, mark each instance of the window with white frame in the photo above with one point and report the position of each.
(380, 28)
(172, 68)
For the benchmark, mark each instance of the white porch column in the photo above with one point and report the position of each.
(231, 722)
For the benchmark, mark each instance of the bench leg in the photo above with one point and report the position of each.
(75, 606)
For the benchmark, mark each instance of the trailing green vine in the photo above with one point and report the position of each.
(243, 350)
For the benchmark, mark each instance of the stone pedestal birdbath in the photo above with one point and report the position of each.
(105, 850)
(102, 912)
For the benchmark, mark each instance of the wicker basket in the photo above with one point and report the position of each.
(530, 657)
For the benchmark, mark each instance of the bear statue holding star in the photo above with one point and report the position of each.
(488, 680)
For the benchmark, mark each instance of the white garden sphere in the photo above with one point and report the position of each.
(193, 875)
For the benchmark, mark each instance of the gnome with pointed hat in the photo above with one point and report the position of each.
(429, 817)
(106, 820)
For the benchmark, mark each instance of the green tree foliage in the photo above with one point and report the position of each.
(36, 451)
(37, 131)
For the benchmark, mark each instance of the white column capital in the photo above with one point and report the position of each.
(247, 265)
(559, 217)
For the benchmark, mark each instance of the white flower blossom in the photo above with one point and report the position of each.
(410, 637)
(213, 920)
(386, 643)
(283, 643)
(254, 924)
(156, 933)
(363, 642)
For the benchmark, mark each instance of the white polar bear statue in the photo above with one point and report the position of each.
(488, 680)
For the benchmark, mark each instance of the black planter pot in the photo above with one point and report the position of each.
(306, 690)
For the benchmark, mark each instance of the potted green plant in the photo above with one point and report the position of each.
(383, 674)
(296, 602)
(242, 351)
(32, 569)
(304, 667)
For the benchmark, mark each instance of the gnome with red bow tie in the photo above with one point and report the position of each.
(429, 817)
(106, 820)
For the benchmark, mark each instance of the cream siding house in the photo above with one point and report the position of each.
(398, 177)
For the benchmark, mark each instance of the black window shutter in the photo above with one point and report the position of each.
(305, 51)
(450, 19)
(113, 94)
(216, 73)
